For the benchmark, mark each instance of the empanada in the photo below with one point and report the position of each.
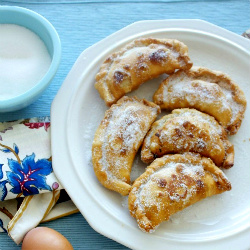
(209, 91)
(118, 139)
(172, 183)
(139, 61)
(188, 130)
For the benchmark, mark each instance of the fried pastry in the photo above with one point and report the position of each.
(141, 60)
(209, 91)
(188, 130)
(172, 183)
(118, 139)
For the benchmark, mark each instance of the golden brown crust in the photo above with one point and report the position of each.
(209, 91)
(117, 140)
(188, 130)
(139, 61)
(172, 183)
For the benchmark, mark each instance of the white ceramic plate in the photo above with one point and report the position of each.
(220, 222)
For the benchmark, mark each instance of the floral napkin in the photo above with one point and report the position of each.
(25, 159)
(29, 189)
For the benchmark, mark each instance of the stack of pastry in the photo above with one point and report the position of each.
(186, 149)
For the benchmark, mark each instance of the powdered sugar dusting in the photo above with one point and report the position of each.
(236, 108)
(227, 87)
(209, 91)
(214, 125)
(149, 196)
(123, 136)
(195, 91)
(24, 60)
(140, 50)
(177, 133)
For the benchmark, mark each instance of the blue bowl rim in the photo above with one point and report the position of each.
(34, 92)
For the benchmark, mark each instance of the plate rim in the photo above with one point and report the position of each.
(57, 117)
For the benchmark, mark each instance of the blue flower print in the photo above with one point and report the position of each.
(3, 189)
(28, 176)
(2, 227)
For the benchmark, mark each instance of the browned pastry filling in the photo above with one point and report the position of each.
(172, 183)
(209, 91)
(188, 130)
(138, 62)
(118, 139)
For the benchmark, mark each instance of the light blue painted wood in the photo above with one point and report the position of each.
(83, 23)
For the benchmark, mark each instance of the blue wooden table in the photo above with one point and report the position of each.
(81, 23)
